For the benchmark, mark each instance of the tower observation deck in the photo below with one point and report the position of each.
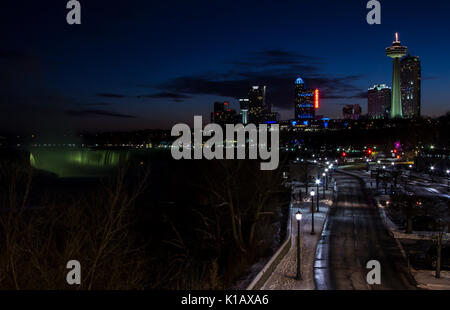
(396, 51)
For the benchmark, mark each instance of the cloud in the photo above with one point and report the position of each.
(110, 95)
(97, 112)
(95, 104)
(274, 58)
(166, 95)
(431, 77)
(277, 69)
(177, 97)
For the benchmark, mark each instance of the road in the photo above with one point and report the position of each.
(353, 235)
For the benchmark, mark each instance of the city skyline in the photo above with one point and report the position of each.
(112, 73)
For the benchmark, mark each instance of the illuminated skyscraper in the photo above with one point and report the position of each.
(379, 101)
(222, 113)
(244, 104)
(257, 104)
(352, 111)
(410, 80)
(396, 51)
(306, 101)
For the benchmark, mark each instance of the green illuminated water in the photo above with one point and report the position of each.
(78, 162)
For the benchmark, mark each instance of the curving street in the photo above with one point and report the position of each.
(353, 235)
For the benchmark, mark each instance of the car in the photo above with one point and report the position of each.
(431, 256)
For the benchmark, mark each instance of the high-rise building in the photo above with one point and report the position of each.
(223, 114)
(396, 51)
(352, 111)
(306, 102)
(244, 105)
(379, 101)
(410, 81)
(257, 104)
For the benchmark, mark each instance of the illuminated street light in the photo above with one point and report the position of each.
(298, 217)
(431, 173)
(318, 183)
(312, 211)
(324, 175)
(448, 180)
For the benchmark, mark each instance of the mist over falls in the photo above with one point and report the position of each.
(78, 162)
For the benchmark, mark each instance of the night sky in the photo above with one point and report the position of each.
(151, 64)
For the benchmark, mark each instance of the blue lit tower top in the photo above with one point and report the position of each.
(299, 81)
(306, 101)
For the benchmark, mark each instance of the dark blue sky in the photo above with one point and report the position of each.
(148, 64)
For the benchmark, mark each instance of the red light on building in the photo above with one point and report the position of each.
(395, 151)
(344, 154)
(316, 98)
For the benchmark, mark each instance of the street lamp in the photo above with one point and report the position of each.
(318, 183)
(298, 217)
(448, 180)
(312, 212)
(324, 175)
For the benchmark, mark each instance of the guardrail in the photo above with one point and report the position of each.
(268, 269)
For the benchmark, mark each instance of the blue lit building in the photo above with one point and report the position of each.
(306, 102)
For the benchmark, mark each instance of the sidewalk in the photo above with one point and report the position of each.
(426, 279)
(283, 278)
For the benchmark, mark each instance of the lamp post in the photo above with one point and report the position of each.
(312, 212)
(448, 180)
(298, 217)
(318, 183)
(324, 175)
(431, 173)
(326, 179)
